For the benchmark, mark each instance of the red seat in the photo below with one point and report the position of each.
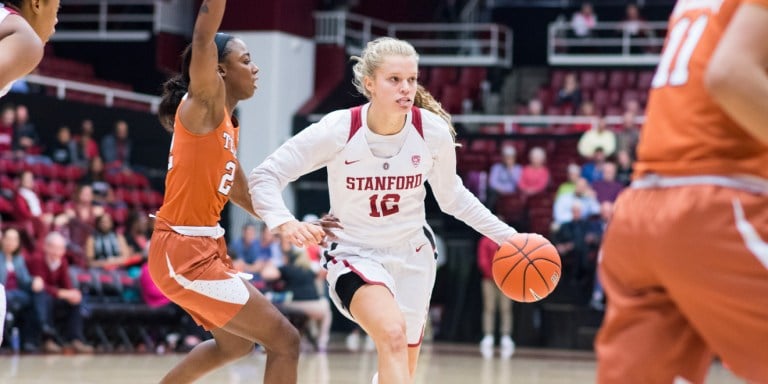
(618, 80)
(557, 79)
(483, 145)
(443, 75)
(644, 80)
(600, 98)
(511, 207)
(588, 80)
(452, 98)
(469, 161)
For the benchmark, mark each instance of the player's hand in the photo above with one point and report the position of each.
(328, 223)
(509, 239)
(301, 234)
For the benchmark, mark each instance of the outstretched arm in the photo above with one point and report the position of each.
(204, 81)
(21, 50)
(736, 76)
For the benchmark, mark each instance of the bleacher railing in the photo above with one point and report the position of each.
(106, 20)
(610, 44)
(510, 122)
(460, 44)
(109, 94)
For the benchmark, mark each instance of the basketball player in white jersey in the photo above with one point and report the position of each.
(25, 26)
(381, 268)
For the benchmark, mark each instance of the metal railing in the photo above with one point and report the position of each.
(462, 44)
(110, 94)
(608, 44)
(106, 20)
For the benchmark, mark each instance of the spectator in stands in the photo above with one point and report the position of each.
(624, 168)
(80, 219)
(570, 93)
(25, 138)
(116, 148)
(628, 134)
(584, 194)
(59, 294)
(299, 278)
(535, 176)
(137, 233)
(20, 287)
(584, 21)
(587, 109)
(106, 248)
(598, 137)
(96, 178)
(86, 145)
(607, 188)
(64, 150)
(505, 176)
(634, 26)
(249, 253)
(493, 299)
(7, 120)
(29, 207)
(535, 109)
(569, 185)
(577, 241)
(593, 169)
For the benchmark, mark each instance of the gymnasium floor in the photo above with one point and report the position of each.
(443, 364)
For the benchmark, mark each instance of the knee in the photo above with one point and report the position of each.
(392, 338)
(288, 341)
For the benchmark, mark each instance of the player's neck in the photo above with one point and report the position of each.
(384, 124)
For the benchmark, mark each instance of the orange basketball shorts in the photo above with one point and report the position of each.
(196, 273)
(685, 271)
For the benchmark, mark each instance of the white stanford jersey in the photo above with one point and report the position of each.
(379, 201)
(4, 12)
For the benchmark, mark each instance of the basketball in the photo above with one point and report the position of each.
(526, 269)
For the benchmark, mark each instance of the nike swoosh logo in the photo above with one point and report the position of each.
(752, 239)
(230, 290)
(347, 162)
(418, 249)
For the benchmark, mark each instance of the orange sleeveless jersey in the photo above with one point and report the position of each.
(686, 132)
(201, 169)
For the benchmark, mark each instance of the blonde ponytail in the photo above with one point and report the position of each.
(425, 100)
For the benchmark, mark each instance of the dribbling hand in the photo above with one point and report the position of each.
(328, 223)
(301, 234)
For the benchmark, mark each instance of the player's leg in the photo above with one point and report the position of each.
(209, 355)
(320, 311)
(258, 321)
(644, 337)
(375, 309)
(414, 282)
(722, 286)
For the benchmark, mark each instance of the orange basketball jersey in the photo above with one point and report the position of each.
(686, 132)
(201, 169)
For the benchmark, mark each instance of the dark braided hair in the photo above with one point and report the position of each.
(177, 86)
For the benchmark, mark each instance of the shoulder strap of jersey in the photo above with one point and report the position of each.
(356, 122)
(416, 120)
